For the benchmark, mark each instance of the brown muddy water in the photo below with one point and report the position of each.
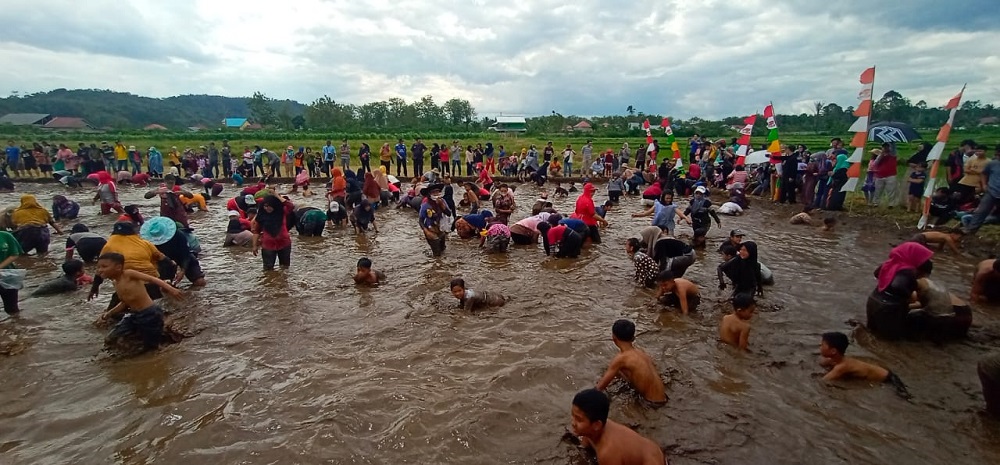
(302, 367)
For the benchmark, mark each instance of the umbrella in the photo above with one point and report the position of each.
(892, 132)
(758, 157)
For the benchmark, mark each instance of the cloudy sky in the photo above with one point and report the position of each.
(683, 58)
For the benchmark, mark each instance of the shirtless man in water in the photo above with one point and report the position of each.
(735, 327)
(145, 318)
(633, 364)
(613, 443)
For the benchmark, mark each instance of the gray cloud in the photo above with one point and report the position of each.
(708, 59)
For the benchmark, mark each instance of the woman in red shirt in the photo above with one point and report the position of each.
(586, 212)
(270, 232)
(444, 156)
(569, 241)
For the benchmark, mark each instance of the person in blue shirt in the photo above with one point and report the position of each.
(663, 213)
(432, 210)
(401, 158)
(329, 156)
(603, 210)
(13, 158)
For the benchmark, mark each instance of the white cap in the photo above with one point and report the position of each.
(701, 189)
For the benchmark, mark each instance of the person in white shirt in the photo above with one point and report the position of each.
(731, 209)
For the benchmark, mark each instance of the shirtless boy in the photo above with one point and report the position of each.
(948, 238)
(677, 291)
(633, 364)
(832, 349)
(472, 300)
(612, 442)
(986, 282)
(130, 285)
(366, 276)
(735, 327)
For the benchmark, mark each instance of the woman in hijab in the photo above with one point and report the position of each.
(107, 192)
(889, 304)
(270, 232)
(31, 222)
(155, 163)
(365, 155)
(470, 225)
(743, 270)
(587, 212)
(503, 203)
(64, 209)
(569, 242)
(382, 179)
(362, 216)
(491, 165)
(338, 187)
(354, 189)
(835, 199)
(372, 192)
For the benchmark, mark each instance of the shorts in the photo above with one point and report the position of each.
(147, 324)
(894, 381)
(671, 300)
(90, 248)
(33, 238)
(497, 243)
(310, 228)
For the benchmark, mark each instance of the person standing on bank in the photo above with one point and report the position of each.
(418, 150)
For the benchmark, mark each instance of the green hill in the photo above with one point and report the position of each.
(105, 108)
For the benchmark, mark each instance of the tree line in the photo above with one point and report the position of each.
(122, 111)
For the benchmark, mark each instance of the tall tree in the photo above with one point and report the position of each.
(261, 109)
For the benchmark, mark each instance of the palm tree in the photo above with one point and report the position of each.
(630, 110)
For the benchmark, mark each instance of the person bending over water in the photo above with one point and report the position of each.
(986, 282)
(612, 442)
(568, 242)
(889, 304)
(677, 292)
(735, 327)
(633, 365)
(833, 347)
(646, 268)
(145, 317)
(475, 300)
(367, 276)
(948, 238)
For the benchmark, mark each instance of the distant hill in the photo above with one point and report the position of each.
(105, 108)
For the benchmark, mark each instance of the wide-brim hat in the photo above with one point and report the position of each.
(158, 230)
(431, 188)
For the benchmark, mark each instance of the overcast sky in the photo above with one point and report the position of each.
(529, 57)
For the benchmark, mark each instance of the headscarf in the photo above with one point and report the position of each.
(59, 200)
(274, 221)
(339, 183)
(648, 237)
(370, 188)
(30, 213)
(382, 179)
(841, 162)
(103, 177)
(906, 256)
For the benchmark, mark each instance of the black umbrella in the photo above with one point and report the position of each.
(892, 132)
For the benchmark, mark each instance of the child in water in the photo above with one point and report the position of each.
(471, 300)
(73, 276)
(735, 327)
(144, 317)
(366, 276)
(677, 292)
(832, 349)
(612, 442)
(634, 365)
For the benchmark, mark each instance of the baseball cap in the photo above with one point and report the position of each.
(737, 232)
(701, 189)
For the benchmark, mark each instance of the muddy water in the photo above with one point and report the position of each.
(302, 367)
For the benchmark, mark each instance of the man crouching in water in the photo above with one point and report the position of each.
(634, 365)
(474, 300)
(612, 442)
(144, 317)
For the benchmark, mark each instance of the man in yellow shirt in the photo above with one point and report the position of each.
(972, 181)
(121, 156)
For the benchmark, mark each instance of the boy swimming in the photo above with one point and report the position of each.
(612, 442)
(131, 290)
(365, 275)
(634, 365)
(832, 349)
(735, 327)
(677, 292)
(472, 300)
